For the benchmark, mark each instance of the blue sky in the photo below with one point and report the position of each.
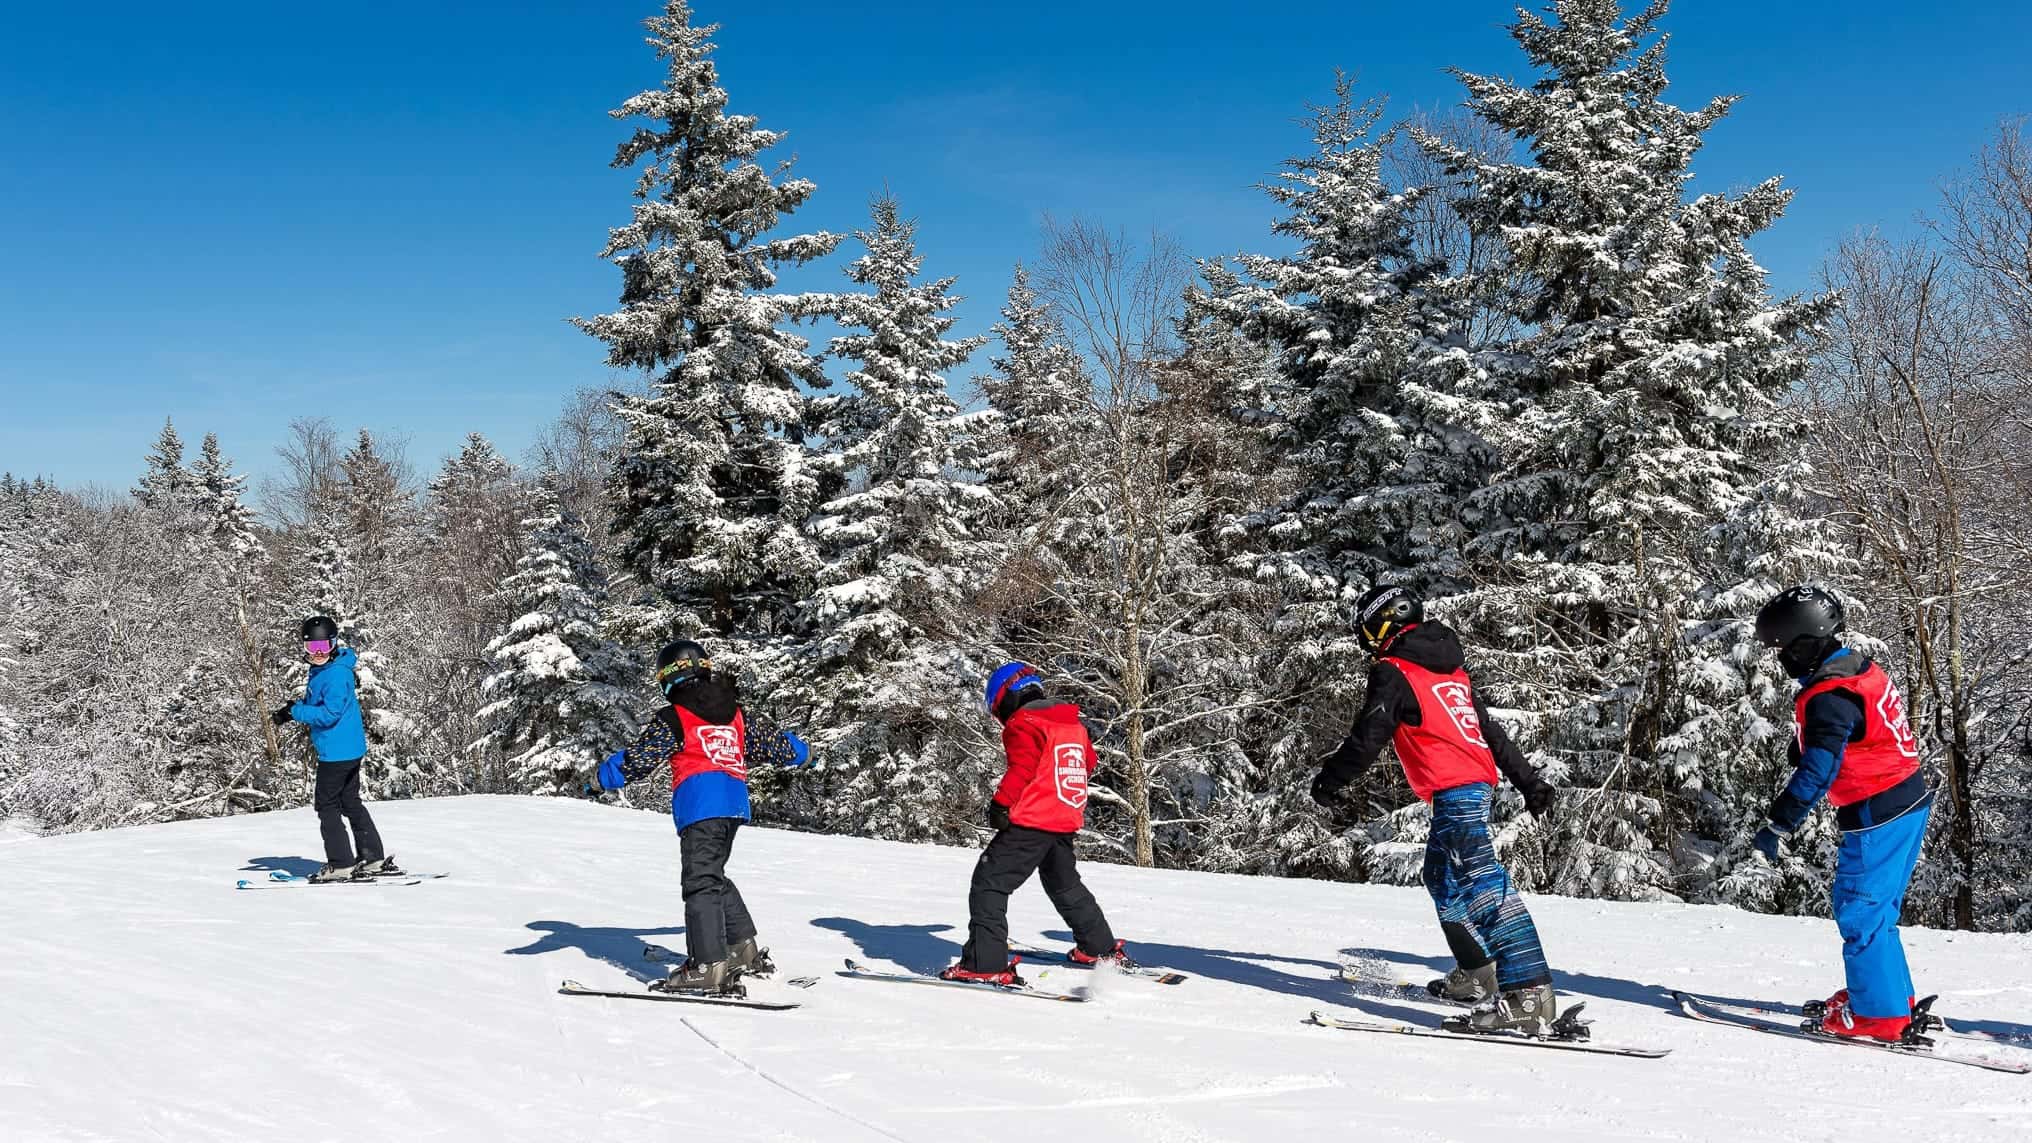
(240, 213)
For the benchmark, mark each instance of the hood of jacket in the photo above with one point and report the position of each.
(1431, 645)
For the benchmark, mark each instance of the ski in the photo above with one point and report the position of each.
(1397, 1029)
(1143, 971)
(1786, 1013)
(574, 988)
(858, 971)
(280, 880)
(1711, 1012)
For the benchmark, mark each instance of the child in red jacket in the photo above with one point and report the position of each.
(1037, 810)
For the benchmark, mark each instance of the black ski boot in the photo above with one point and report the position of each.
(1466, 985)
(750, 959)
(719, 978)
(382, 867)
(330, 872)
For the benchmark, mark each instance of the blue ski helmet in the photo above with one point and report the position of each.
(1008, 679)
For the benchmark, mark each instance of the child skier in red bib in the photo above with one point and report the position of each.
(1037, 809)
(708, 741)
(1853, 745)
(1421, 701)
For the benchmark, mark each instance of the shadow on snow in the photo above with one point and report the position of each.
(295, 866)
(616, 945)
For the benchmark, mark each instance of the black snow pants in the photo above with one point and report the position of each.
(338, 802)
(714, 914)
(1011, 857)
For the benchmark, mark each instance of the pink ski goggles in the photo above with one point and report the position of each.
(317, 647)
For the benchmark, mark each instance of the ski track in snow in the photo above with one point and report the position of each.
(145, 998)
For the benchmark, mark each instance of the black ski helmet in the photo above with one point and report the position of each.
(1797, 612)
(679, 663)
(1801, 623)
(320, 627)
(1383, 612)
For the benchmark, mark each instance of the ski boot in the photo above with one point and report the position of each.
(750, 959)
(380, 867)
(1007, 978)
(716, 978)
(330, 872)
(1834, 1017)
(1466, 985)
(1531, 1011)
(1114, 956)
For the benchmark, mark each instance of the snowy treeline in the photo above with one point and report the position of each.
(1504, 356)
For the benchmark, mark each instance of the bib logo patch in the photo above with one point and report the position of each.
(1459, 703)
(1891, 708)
(1069, 771)
(722, 747)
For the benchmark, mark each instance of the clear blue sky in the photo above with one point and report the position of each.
(238, 213)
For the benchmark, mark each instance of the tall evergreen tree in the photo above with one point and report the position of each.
(1653, 355)
(166, 484)
(232, 559)
(225, 523)
(886, 681)
(561, 694)
(715, 479)
(1374, 449)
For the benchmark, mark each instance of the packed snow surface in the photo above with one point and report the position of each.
(146, 998)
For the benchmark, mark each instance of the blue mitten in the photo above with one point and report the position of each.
(609, 776)
(1766, 843)
(798, 749)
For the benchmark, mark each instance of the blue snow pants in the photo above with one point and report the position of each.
(1472, 889)
(1870, 878)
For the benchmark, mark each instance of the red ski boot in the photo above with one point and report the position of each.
(1114, 956)
(1007, 978)
(1836, 1019)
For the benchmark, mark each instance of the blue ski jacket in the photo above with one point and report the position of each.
(331, 709)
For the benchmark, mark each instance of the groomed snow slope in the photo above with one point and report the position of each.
(145, 998)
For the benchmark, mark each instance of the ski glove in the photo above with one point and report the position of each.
(1766, 843)
(798, 748)
(998, 816)
(1324, 789)
(281, 716)
(1540, 797)
(609, 775)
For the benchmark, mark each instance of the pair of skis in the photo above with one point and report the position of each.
(857, 971)
(661, 955)
(278, 879)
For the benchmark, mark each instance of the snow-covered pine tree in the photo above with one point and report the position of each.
(225, 524)
(234, 560)
(561, 695)
(365, 559)
(1374, 450)
(165, 485)
(471, 542)
(1039, 392)
(1653, 355)
(886, 682)
(715, 479)
(332, 585)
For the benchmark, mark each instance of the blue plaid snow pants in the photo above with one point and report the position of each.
(1472, 889)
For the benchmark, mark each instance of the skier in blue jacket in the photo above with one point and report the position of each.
(330, 709)
(707, 740)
